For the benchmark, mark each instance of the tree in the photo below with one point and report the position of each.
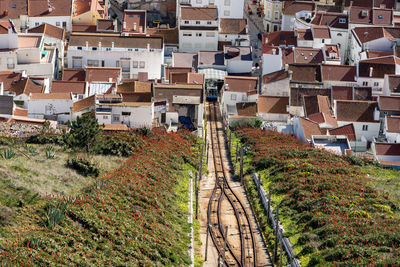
(83, 134)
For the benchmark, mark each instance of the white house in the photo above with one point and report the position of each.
(198, 29)
(27, 52)
(371, 72)
(133, 54)
(56, 106)
(238, 89)
(56, 13)
(238, 59)
(273, 108)
(296, 10)
(388, 154)
(392, 129)
(363, 114)
(234, 31)
(226, 8)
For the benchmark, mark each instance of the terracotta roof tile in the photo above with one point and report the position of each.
(389, 103)
(103, 74)
(362, 93)
(51, 96)
(334, 20)
(347, 130)
(26, 86)
(169, 70)
(321, 32)
(232, 26)
(49, 30)
(387, 149)
(342, 92)
(355, 111)
(275, 76)
(4, 26)
(305, 72)
(73, 74)
(394, 83)
(291, 8)
(273, 104)
(199, 13)
(323, 118)
(84, 28)
(246, 109)
(308, 55)
(106, 25)
(74, 87)
(44, 8)
(195, 78)
(9, 77)
(393, 124)
(379, 66)
(366, 15)
(84, 103)
(279, 38)
(137, 97)
(134, 17)
(341, 73)
(316, 104)
(114, 127)
(170, 35)
(20, 112)
(12, 9)
(241, 84)
(304, 34)
(310, 128)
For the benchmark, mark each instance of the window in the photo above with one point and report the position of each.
(124, 113)
(227, 13)
(141, 64)
(233, 97)
(323, 40)
(198, 34)
(115, 118)
(79, 47)
(14, 6)
(210, 34)
(244, 98)
(187, 34)
(77, 62)
(64, 24)
(105, 117)
(10, 63)
(186, 22)
(269, 14)
(380, 17)
(36, 23)
(342, 20)
(339, 35)
(198, 1)
(94, 48)
(135, 64)
(376, 84)
(197, 22)
(276, 15)
(131, 16)
(58, 24)
(211, 2)
(209, 22)
(365, 83)
(108, 49)
(92, 63)
(125, 65)
(227, 2)
(365, 128)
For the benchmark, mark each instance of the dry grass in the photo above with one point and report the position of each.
(43, 175)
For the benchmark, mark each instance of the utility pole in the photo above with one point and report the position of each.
(241, 164)
(206, 252)
(197, 196)
(276, 234)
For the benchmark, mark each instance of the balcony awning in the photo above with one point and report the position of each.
(213, 74)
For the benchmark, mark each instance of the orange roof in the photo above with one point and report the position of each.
(84, 103)
(51, 96)
(272, 104)
(241, 84)
(310, 128)
(115, 127)
(49, 30)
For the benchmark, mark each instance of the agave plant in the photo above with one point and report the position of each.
(8, 153)
(31, 149)
(50, 154)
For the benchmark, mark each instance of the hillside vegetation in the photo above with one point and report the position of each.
(127, 217)
(332, 211)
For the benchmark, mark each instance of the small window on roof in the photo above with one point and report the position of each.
(131, 16)
(342, 20)
(282, 37)
(380, 17)
(14, 6)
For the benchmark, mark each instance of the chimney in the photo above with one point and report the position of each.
(148, 46)
(99, 45)
(110, 80)
(112, 44)
(87, 45)
(124, 27)
(371, 70)
(274, 51)
(1, 88)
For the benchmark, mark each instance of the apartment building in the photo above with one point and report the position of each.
(134, 54)
(198, 29)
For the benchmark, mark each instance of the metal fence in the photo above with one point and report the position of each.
(294, 262)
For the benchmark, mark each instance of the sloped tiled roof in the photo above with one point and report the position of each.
(9, 77)
(321, 32)
(389, 103)
(380, 66)
(347, 130)
(4, 26)
(305, 72)
(308, 55)
(291, 8)
(199, 13)
(275, 76)
(15, 8)
(393, 124)
(232, 26)
(171, 35)
(280, 38)
(84, 103)
(73, 74)
(45, 8)
(241, 84)
(387, 149)
(26, 86)
(102, 74)
(52, 96)
(373, 16)
(331, 19)
(316, 104)
(273, 104)
(341, 73)
(342, 92)
(309, 128)
(356, 111)
(49, 30)
(394, 83)
(75, 87)
(323, 118)
(246, 109)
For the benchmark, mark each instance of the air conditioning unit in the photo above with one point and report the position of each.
(364, 13)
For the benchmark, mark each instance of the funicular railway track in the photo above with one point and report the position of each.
(242, 250)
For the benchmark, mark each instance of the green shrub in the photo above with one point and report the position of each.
(55, 139)
(83, 134)
(55, 214)
(50, 154)
(83, 166)
(31, 149)
(8, 153)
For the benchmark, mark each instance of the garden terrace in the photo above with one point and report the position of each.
(336, 213)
